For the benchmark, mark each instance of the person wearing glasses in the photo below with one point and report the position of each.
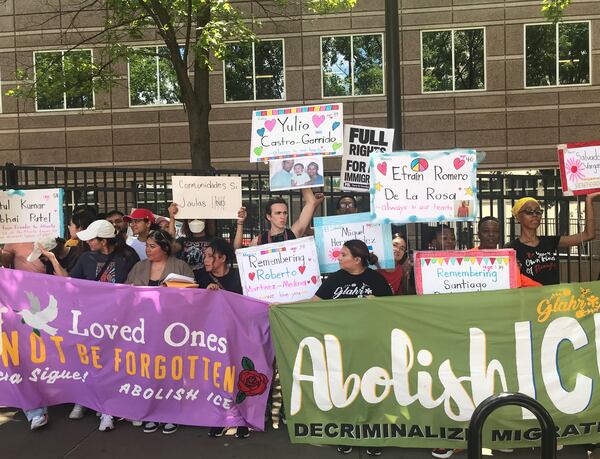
(346, 204)
(538, 255)
(401, 277)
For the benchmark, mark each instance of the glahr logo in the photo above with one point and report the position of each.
(565, 300)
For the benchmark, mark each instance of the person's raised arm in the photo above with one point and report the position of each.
(589, 231)
(311, 202)
(172, 212)
(239, 231)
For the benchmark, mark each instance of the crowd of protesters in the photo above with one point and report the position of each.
(143, 249)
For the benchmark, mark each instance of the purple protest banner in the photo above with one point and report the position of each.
(187, 356)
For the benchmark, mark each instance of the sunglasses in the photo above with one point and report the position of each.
(158, 236)
(531, 213)
(346, 205)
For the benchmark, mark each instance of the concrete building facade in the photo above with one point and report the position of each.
(484, 74)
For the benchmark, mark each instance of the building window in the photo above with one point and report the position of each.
(64, 80)
(557, 54)
(352, 65)
(254, 71)
(453, 60)
(152, 78)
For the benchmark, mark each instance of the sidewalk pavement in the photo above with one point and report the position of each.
(64, 438)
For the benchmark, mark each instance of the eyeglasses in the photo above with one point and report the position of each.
(346, 205)
(531, 212)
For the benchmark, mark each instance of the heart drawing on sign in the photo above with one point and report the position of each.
(382, 167)
(251, 276)
(314, 279)
(458, 163)
(336, 145)
(318, 120)
(260, 131)
(301, 269)
(258, 151)
(270, 124)
(335, 125)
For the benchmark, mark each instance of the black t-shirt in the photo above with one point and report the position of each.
(266, 238)
(192, 251)
(90, 264)
(230, 281)
(342, 284)
(539, 263)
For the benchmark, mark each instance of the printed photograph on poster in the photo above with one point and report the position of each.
(465, 271)
(30, 215)
(579, 167)
(297, 131)
(295, 173)
(415, 187)
(359, 143)
(282, 272)
(332, 232)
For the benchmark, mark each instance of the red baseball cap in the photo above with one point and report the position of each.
(140, 214)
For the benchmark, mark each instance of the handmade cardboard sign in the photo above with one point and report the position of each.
(359, 143)
(29, 215)
(455, 271)
(292, 174)
(579, 167)
(207, 197)
(332, 232)
(297, 131)
(280, 272)
(409, 187)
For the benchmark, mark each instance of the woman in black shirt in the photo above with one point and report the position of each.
(538, 255)
(354, 279)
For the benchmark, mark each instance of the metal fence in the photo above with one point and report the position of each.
(128, 188)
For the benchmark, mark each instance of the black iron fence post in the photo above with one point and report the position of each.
(490, 404)
(11, 178)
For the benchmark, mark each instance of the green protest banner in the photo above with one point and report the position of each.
(409, 371)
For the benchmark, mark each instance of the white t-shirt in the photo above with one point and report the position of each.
(138, 246)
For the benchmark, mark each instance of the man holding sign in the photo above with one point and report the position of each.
(276, 213)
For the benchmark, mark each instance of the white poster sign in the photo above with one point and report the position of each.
(579, 167)
(359, 143)
(207, 197)
(282, 272)
(29, 215)
(297, 131)
(409, 187)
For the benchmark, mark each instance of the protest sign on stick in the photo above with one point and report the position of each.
(332, 232)
(280, 272)
(410, 187)
(579, 167)
(207, 197)
(454, 271)
(359, 143)
(29, 215)
(297, 131)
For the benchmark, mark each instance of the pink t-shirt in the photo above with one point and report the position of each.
(19, 251)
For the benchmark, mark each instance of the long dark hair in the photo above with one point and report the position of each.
(163, 239)
(222, 247)
(359, 249)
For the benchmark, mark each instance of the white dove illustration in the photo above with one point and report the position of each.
(38, 319)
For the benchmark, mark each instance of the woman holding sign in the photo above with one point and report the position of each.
(354, 280)
(538, 255)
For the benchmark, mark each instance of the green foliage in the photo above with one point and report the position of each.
(553, 10)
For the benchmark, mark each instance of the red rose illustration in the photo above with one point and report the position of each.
(252, 382)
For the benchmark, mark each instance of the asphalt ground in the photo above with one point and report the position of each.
(64, 438)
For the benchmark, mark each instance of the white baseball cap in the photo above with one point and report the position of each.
(100, 228)
(48, 243)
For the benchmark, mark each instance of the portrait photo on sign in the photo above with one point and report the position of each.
(295, 173)
(463, 208)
